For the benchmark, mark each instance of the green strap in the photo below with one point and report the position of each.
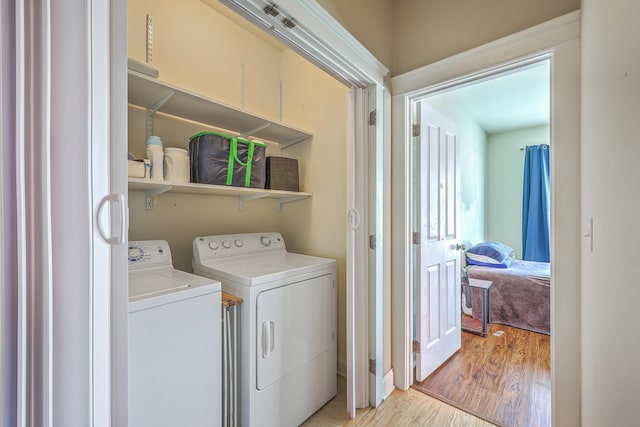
(233, 157)
(247, 177)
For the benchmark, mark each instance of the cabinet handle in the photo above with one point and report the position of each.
(119, 238)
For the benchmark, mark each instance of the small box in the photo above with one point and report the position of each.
(282, 174)
(136, 168)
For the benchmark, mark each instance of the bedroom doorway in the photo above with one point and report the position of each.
(498, 115)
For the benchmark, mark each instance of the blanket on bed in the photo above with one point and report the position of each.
(520, 294)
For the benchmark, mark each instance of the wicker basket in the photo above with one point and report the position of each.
(282, 174)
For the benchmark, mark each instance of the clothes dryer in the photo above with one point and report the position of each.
(174, 342)
(288, 359)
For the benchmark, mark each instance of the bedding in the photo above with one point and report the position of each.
(490, 254)
(520, 294)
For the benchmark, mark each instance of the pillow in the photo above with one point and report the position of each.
(490, 254)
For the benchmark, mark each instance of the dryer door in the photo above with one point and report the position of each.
(295, 323)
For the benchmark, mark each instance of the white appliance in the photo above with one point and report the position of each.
(174, 342)
(288, 359)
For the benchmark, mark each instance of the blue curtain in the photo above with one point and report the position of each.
(536, 233)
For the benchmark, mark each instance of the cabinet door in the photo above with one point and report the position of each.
(295, 323)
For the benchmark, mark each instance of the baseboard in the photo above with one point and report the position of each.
(387, 381)
(387, 384)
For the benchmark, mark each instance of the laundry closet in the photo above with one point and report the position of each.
(206, 52)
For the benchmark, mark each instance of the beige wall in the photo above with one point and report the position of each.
(369, 21)
(425, 31)
(408, 34)
(198, 49)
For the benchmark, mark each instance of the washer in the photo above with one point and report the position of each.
(174, 342)
(288, 359)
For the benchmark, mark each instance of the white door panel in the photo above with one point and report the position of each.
(295, 323)
(438, 270)
(375, 221)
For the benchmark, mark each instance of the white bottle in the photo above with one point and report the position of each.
(156, 157)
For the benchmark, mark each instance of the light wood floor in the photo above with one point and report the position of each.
(410, 408)
(505, 379)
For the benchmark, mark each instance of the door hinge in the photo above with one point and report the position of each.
(372, 118)
(372, 366)
(416, 346)
(372, 241)
(416, 238)
(416, 130)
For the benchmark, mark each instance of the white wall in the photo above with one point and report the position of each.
(609, 186)
(505, 168)
(473, 164)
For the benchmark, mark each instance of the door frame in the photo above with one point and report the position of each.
(559, 39)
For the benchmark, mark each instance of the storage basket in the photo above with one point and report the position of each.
(220, 159)
(282, 174)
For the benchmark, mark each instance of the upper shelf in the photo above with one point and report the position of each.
(155, 94)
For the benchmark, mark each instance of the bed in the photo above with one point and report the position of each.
(520, 294)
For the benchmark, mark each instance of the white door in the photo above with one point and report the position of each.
(437, 255)
(375, 224)
(357, 351)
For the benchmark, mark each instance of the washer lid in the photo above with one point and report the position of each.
(251, 270)
(166, 286)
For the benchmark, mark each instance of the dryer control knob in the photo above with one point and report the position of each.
(213, 245)
(226, 244)
(239, 243)
(266, 241)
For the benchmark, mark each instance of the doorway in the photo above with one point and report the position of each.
(495, 117)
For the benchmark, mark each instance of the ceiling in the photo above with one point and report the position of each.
(514, 100)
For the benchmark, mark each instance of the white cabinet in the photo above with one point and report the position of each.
(156, 95)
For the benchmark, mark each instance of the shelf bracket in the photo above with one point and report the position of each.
(254, 131)
(293, 141)
(284, 200)
(154, 109)
(153, 193)
(242, 199)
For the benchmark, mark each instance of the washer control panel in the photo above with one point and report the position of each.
(237, 244)
(149, 253)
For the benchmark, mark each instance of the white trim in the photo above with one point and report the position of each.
(118, 181)
(402, 322)
(318, 37)
(21, 284)
(9, 284)
(560, 39)
(337, 39)
(388, 386)
(483, 58)
(33, 214)
(99, 170)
